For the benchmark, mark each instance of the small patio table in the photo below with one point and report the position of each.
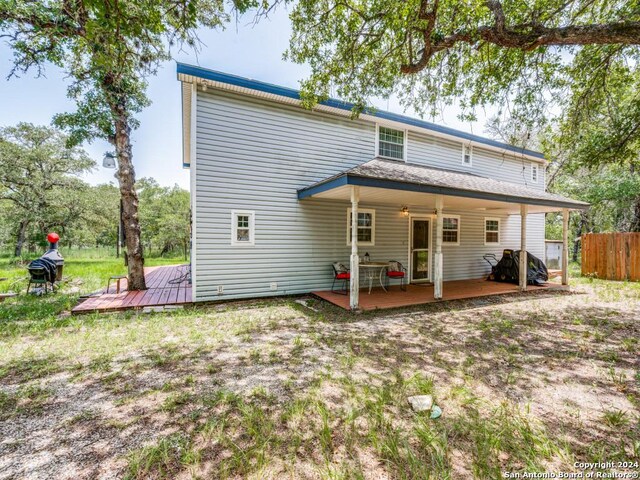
(369, 269)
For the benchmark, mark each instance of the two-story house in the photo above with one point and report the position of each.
(274, 187)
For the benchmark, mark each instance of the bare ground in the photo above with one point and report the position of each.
(531, 382)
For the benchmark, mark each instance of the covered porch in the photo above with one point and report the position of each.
(438, 194)
(418, 294)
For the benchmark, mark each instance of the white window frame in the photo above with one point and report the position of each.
(234, 227)
(373, 227)
(494, 219)
(464, 150)
(535, 168)
(405, 135)
(451, 244)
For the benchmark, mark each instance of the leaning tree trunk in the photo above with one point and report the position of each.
(21, 237)
(126, 178)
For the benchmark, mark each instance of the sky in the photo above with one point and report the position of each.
(244, 49)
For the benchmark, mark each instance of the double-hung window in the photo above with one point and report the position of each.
(366, 227)
(492, 231)
(391, 143)
(467, 155)
(534, 172)
(242, 227)
(451, 230)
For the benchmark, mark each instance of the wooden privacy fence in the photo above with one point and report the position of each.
(611, 256)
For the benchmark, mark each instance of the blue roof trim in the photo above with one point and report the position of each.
(332, 102)
(323, 187)
(347, 179)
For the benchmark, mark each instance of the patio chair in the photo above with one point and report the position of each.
(340, 273)
(395, 270)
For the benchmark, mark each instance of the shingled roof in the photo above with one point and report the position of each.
(391, 174)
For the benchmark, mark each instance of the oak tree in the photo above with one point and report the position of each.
(515, 54)
(108, 49)
(37, 167)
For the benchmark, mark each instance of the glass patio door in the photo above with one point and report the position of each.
(420, 236)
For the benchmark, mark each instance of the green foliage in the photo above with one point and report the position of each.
(108, 50)
(39, 188)
(600, 121)
(519, 55)
(611, 190)
(85, 271)
(164, 216)
(34, 159)
(594, 146)
(40, 191)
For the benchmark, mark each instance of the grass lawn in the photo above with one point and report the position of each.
(275, 389)
(85, 271)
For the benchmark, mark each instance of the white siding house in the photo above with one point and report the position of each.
(272, 185)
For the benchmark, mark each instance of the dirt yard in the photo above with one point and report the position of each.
(276, 389)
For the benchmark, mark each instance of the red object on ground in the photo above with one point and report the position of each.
(53, 237)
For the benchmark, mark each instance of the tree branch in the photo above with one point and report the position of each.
(522, 36)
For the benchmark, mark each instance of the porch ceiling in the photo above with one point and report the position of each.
(391, 182)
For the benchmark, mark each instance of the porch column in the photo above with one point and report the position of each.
(437, 268)
(354, 283)
(523, 248)
(565, 246)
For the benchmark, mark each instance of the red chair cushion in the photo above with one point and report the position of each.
(395, 274)
(343, 276)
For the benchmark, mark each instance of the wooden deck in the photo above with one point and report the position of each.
(161, 290)
(420, 294)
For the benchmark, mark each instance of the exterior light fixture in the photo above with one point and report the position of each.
(109, 160)
(405, 211)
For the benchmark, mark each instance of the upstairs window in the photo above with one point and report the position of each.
(366, 227)
(492, 231)
(534, 172)
(242, 228)
(451, 230)
(391, 143)
(467, 155)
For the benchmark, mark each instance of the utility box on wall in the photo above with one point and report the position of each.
(553, 254)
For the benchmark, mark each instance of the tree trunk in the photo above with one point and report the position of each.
(634, 225)
(581, 229)
(635, 219)
(126, 179)
(22, 234)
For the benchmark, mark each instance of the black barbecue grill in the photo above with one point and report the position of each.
(47, 270)
(507, 269)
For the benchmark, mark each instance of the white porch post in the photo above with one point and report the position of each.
(565, 246)
(437, 269)
(355, 260)
(523, 248)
